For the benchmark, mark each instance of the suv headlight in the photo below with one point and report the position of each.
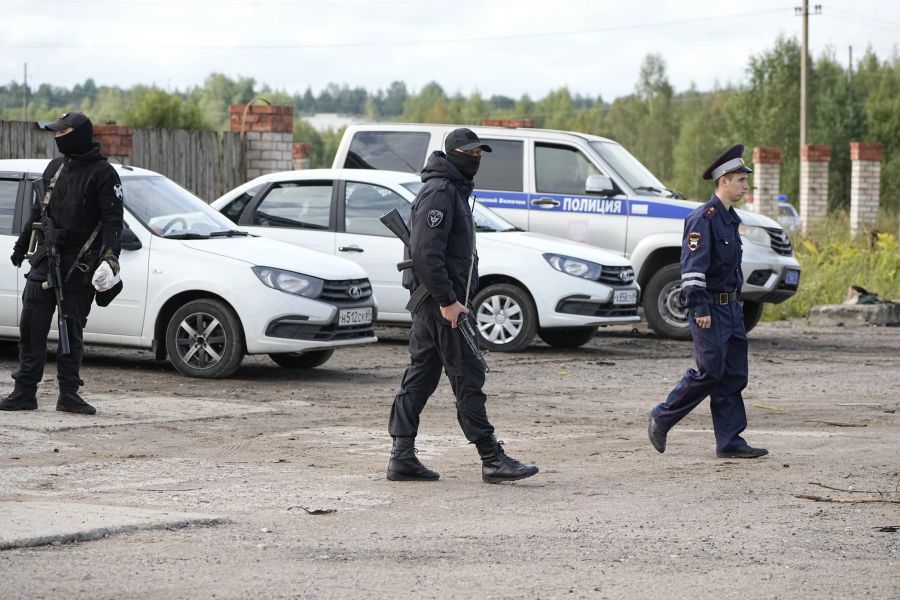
(576, 267)
(290, 282)
(755, 234)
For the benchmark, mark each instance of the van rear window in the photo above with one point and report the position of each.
(388, 151)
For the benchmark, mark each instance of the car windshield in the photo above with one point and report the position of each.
(635, 174)
(485, 219)
(169, 210)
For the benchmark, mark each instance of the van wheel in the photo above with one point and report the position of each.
(204, 339)
(302, 360)
(665, 312)
(506, 317)
(752, 313)
(568, 337)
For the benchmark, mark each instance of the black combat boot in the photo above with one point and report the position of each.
(497, 467)
(404, 466)
(73, 403)
(19, 399)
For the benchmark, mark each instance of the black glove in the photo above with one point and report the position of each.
(17, 258)
(113, 263)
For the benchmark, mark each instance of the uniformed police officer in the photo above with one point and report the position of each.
(86, 202)
(442, 249)
(711, 281)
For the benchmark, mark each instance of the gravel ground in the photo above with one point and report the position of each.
(607, 517)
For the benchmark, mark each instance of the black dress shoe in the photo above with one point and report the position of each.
(657, 436)
(744, 451)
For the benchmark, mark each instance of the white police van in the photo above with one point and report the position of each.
(588, 189)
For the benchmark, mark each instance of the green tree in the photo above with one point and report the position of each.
(156, 109)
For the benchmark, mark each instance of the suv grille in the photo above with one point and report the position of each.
(781, 243)
(345, 291)
(616, 276)
(319, 333)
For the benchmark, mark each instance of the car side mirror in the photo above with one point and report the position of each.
(129, 240)
(599, 184)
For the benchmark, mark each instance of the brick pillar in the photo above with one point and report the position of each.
(509, 123)
(268, 137)
(767, 179)
(865, 185)
(116, 141)
(814, 159)
(301, 155)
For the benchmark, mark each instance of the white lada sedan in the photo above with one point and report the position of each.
(529, 283)
(196, 289)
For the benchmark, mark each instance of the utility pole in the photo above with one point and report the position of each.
(850, 65)
(25, 95)
(804, 12)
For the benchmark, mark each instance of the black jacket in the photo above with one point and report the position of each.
(442, 232)
(88, 191)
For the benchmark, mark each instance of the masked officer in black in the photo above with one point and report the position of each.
(442, 249)
(711, 280)
(86, 202)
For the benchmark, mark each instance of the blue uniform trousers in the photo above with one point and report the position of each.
(721, 374)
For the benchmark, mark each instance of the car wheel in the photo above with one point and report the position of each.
(302, 360)
(506, 318)
(665, 312)
(752, 313)
(569, 337)
(204, 339)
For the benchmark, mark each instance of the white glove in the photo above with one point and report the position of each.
(104, 278)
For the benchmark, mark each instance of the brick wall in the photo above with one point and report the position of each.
(301, 151)
(267, 135)
(509, 123)
(865, 185)
(115, 140)
(814, 159)
(767, 179)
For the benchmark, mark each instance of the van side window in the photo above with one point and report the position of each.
(502, 168)
(295, 205)
(561, 170)
(388, 151)
(8, 191)
(234, 208)
(365, 203)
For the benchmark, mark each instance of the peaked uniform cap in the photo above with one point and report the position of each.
(729, 161)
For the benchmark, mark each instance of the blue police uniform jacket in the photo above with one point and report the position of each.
(710, 255)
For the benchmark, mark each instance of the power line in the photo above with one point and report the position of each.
(866, 23)
(492, 38)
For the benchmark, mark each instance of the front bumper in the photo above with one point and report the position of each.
(767, 274)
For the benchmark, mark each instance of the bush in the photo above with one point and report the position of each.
(832, 261)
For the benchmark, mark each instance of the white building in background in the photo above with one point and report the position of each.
(334, 121)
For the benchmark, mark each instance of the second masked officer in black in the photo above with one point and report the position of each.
(442, 249)
(85, 201)
(711, 281)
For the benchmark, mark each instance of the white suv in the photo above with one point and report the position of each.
(588, 189)
(196, 289)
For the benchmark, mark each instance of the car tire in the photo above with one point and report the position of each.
(568, 337)
(302, 360)
(506, 317)
(216, 354)
(663, 308)
(752, 313)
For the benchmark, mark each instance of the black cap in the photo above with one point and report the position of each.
(729, 162)
(64, 121)
(464, 139)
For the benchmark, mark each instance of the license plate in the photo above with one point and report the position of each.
(792, 277)
(625, 297)
(355, 316)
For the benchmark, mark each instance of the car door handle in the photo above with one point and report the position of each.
(545, 202)
(350, 249)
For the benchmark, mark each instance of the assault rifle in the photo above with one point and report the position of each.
(393, 221)
(51, 238)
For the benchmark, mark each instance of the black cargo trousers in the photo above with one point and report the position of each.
(38, 308)
(434, 346)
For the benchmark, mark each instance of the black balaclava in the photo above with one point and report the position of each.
(78, 141)
(466, 163)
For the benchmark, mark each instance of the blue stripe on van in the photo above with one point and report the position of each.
(583, 205)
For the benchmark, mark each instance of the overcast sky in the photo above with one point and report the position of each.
(511, 47)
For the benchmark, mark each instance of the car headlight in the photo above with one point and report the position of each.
(755, 234)
(576, 267)
(290, 282)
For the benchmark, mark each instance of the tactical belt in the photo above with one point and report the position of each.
(724, 297)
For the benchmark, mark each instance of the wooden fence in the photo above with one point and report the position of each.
(205, 162)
